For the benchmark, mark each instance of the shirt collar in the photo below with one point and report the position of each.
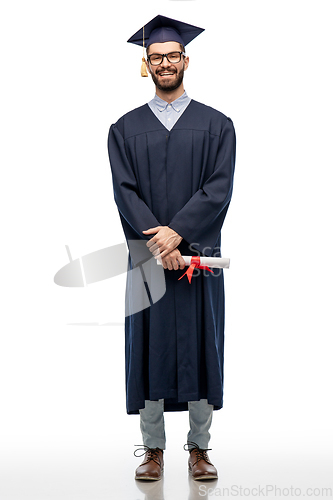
(177, 105)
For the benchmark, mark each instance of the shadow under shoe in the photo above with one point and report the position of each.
(153, 490)
(151, 468)
(199, 465)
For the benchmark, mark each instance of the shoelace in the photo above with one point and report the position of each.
(152, 453)
(201, 454)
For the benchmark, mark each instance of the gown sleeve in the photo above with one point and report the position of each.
(135, 215)
(200, 220)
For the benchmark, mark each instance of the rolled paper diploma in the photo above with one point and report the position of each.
(220, 262)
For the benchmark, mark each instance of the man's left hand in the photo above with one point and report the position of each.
(164, 241)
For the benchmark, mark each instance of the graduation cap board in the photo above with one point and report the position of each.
(164, 29)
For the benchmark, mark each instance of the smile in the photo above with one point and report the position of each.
(165, 74)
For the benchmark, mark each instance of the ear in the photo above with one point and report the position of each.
(186, 62)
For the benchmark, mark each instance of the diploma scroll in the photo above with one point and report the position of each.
(220, 262)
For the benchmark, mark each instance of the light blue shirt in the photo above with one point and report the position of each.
(167, 113)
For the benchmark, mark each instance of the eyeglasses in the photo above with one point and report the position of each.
(172, 57)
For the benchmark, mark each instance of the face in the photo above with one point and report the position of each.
(167, 76)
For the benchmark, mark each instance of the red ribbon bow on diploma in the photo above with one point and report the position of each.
(195, 262)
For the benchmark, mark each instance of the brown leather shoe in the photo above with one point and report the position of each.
(152, 465)
(199, 464)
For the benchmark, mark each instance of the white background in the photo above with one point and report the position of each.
(67, 74)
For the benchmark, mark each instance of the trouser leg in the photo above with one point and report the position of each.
(200, 416)
(152, 424)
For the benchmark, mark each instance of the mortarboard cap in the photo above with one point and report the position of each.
(164, 29)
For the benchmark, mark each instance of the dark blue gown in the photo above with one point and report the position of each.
(183, 179)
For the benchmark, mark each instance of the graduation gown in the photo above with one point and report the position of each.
(183, 179)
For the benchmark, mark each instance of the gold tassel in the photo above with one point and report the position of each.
(143, 65)
(143, 68)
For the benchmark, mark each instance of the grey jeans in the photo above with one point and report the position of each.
(152, 423)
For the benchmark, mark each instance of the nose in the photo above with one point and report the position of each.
(165, 63)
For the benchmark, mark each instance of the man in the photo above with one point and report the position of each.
(172, 163)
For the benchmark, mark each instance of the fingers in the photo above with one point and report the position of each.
(157, 249)
(173, 261)
(171, 264)
(163, 246)
(181, 262)
(153, 247)
(164, 239)
(162, 249)
(162, 254)
(152, 230)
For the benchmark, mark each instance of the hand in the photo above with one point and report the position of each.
(173, 260)
(164, 241)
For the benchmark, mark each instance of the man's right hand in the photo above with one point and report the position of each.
(173, 260)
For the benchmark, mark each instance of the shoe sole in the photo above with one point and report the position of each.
(203, 478)
(148, 478)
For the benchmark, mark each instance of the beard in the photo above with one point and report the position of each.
(168, 86)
